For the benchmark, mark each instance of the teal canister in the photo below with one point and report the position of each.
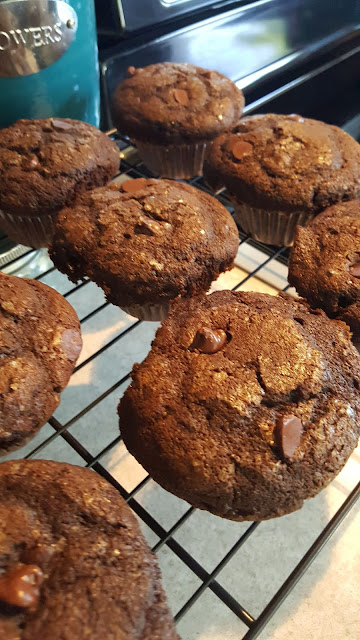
(48, 60)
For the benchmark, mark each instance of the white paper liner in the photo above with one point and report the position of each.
(151, 312)
(32, 231)
(174, 161)
(269, 227)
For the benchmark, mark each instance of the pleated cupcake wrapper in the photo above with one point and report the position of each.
(151, 312)
(173, 161)
(32, 231)
(269, 227)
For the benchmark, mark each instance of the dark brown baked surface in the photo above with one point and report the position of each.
(323, 262)
(176, 103)
(45, 163)
(287, 163)
(149, 242)
(40, 343)
(250, 425)
(98, 578)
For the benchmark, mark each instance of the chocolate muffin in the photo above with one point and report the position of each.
(40, 343)
(172, 111)
(324, 265)
(43, 165)
(246, 405)
(281, 171)
(73, 561)
(146, 242)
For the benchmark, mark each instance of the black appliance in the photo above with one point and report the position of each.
(124, 16)
(287, 55)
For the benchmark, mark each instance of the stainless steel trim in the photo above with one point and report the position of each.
(121, 14)
(298, 81)
(14, 252)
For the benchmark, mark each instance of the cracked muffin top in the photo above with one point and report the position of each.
(176, 103)
(324, 265)
(145, 240)
(280, 162)
(73, 562)
(44, 163)
(246, 405)
(40, 343)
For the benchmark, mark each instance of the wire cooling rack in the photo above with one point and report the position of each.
(208, 564)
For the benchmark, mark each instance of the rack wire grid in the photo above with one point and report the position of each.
(209, 565)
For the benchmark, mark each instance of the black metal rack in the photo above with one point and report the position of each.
(132, 167)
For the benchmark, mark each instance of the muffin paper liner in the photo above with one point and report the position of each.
(152, 312)
(269, 227)
(173, 161)
(32, 231)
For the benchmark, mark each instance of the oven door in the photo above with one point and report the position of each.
(133, 15)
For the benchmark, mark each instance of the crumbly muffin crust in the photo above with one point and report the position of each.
(97, 577)
(279, 162)
(45, 163)
(323, 262)
(250, 425)
(40, 343)
(146, 241)
(176, 103)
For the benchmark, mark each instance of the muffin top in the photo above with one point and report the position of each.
(145, 241)
(324, 265)
(246, 404)
(73, 561)
(40, 343)
(176, 103)
(285, 162)
(43, 163)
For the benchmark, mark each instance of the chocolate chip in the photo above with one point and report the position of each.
(133, 185)
(209, 340)
(287, 435)
(61, 125)
(148, 227)
(31, 163)
(210, 75)
(20, 587)
(181, 97)
(354, 270)
(241, 149)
